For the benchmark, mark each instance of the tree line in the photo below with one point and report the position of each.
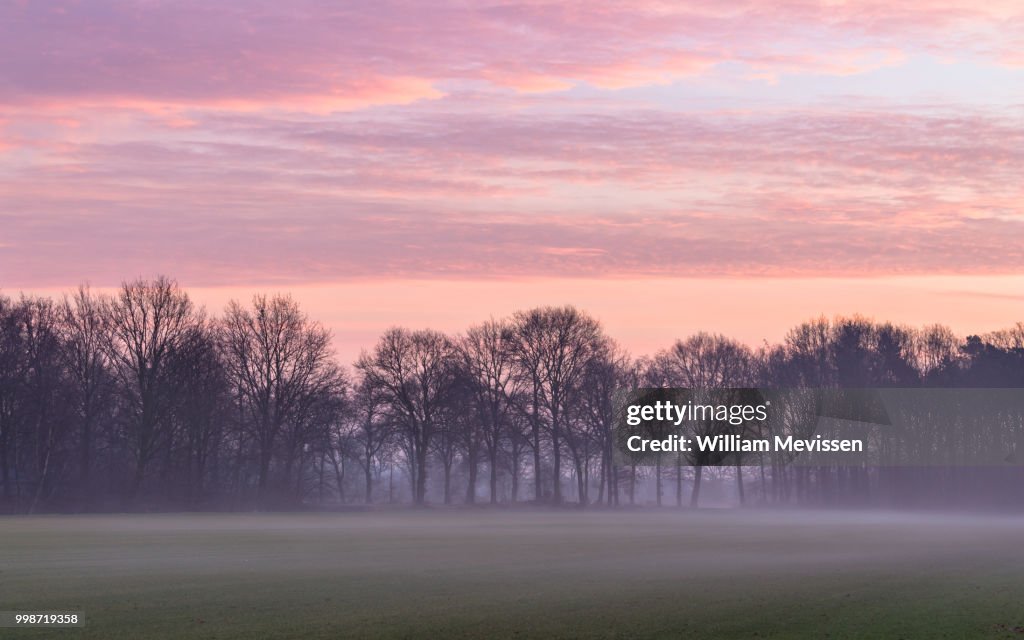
(141, 400)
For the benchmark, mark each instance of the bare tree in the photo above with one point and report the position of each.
(702, 361)
(279, 360)
(604, 377)
(450, 427)
(203, 410)
(13, 368)
(415, 371)
(307, 441)
(85, 330)
(371, 430)
(1008, 339)
(101, 396)
(936, 347)
(488, 357)
(150, 324)
(47, 408)
(554, 346)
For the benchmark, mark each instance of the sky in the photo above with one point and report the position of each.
(669, 166)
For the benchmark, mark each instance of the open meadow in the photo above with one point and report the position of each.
(519, 573)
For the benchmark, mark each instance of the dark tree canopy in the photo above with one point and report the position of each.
(140, 400)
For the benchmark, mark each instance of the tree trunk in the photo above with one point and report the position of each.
(492, 454)
(85, 454)
(447, 483)
(764, 483)
(538, 492)
(613, 484)
(369, 482)
(320, 478)
(264, 477)
(43, 474)
(632, 484)
(698, 471)
(5, 470)
(657, 482)
(471, 486)
(739, 482)
(581, 484)
(421, 476)
(339, 478)
(679, 480)
(556, 451)
(516, 453)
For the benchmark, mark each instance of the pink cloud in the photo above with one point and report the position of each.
(249, 197)
(267, 141)
(316, 56)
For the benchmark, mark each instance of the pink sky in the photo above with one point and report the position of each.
(435, 163)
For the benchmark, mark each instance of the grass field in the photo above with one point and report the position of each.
(498, 574)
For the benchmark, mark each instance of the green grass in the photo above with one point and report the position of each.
(518, 574)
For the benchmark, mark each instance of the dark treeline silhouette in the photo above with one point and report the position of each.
(139, 400)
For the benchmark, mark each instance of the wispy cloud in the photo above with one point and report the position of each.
(310, 55)
(231, 142)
